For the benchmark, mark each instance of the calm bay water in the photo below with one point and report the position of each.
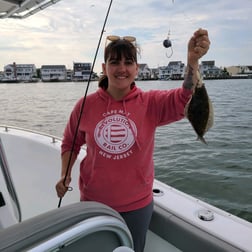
(219, 173)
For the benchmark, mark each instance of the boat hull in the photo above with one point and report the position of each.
(180, 222)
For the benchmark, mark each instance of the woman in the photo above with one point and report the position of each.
(118, 125)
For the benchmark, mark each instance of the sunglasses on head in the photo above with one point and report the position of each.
(113, 38)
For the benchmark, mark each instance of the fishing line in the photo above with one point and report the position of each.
(84, 101)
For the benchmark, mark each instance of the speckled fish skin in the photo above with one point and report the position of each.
(199, 111)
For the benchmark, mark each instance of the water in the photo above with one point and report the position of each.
(219, 173)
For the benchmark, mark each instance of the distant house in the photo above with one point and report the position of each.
(209, 70)
(234, 70)
(69, 74)
(248, 71)
(20, 72)
(1, 75)
(154, 73)
(81, 71)
(53, 73)
(144, 72)
(175, 70)
(240, 70)
(164, 73)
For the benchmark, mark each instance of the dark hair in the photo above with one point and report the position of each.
(118, 49)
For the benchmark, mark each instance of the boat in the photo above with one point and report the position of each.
(30, 219)
(180, 222)
(9, 80)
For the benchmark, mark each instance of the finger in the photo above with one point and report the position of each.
(61, 193)
(200, 51)
(201, 32)
(61, 189)
(203, 44)
(202, 38)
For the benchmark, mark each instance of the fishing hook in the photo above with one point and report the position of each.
(84, 101)
(168, 44)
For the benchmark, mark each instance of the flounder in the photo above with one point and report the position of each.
(199, 111)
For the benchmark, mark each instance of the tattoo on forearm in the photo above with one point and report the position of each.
(188, 81)
(191, 78)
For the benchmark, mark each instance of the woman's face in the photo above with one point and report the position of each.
(121, 73)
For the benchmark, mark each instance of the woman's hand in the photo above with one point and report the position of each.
(62, 186)
(198, 46)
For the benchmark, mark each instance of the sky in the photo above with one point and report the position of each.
(69, 31)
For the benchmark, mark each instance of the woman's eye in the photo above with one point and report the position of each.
(114, 62)
(117, 62)
(129, 62)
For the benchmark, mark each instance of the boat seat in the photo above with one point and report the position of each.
(82, 226)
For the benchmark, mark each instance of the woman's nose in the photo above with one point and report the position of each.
(122, 66)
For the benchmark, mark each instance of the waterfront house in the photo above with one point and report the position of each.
(175, 70)
(164, 73)
(53, 73)
(1, 75)
(154, 73)
(69, 74)
(144, 72)
(209, 70)
(81, 71)
(235, 71)
(248, 71)
(20, 72)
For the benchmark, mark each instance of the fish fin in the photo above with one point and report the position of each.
(200, 80)
(186, 108)
(211, 116)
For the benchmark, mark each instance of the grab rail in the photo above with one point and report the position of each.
(9, 183)
(7, 128)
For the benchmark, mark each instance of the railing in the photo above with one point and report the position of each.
(7, 128)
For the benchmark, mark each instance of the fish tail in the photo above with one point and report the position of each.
(202, 139)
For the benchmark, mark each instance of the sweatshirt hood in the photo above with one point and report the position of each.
(134, 92)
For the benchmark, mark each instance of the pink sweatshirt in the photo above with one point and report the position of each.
(118, 169)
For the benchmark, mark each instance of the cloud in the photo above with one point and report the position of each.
(69, 31)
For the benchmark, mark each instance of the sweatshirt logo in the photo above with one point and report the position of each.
(114, 134)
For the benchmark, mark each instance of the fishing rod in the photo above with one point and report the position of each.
(84, 100)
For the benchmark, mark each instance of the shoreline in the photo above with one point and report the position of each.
(172, 79)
